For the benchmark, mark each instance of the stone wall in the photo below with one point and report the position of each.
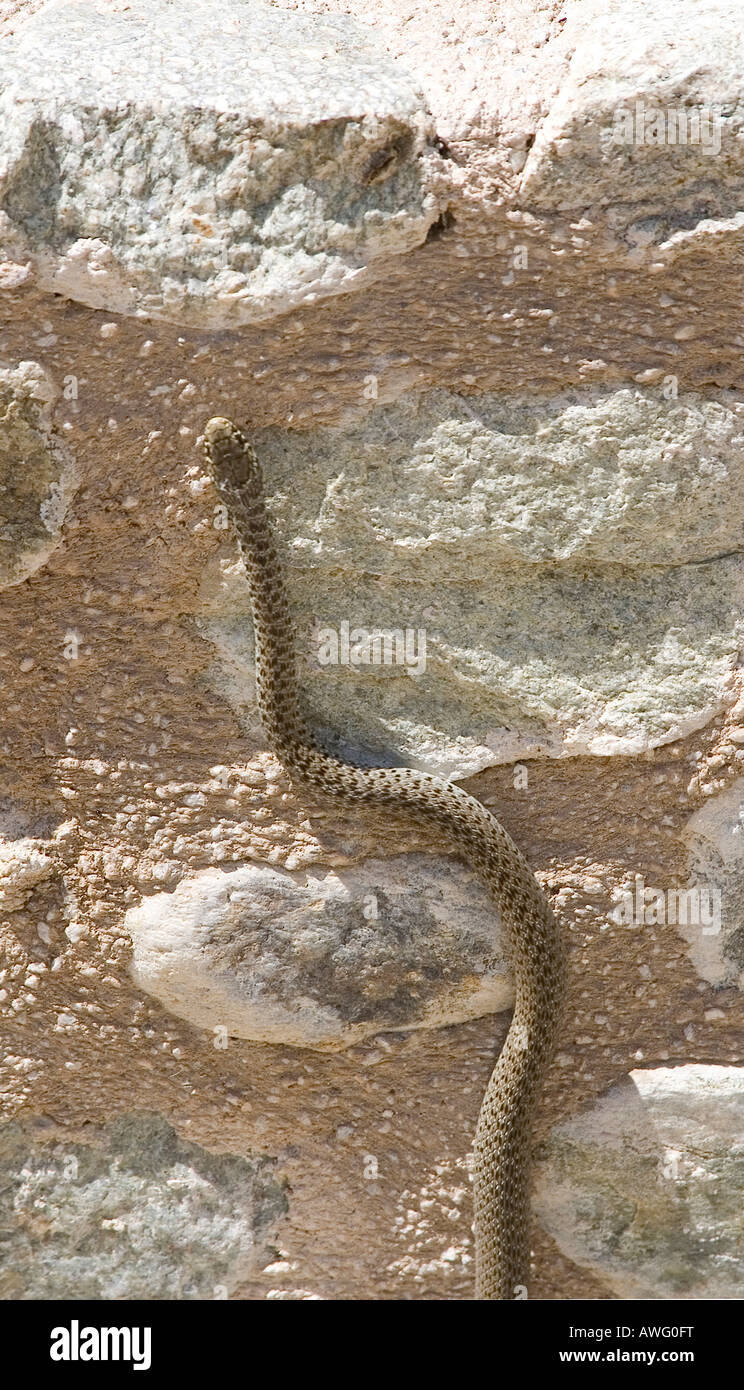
(473, 278)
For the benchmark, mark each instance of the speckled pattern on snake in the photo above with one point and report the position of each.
(503, 1139)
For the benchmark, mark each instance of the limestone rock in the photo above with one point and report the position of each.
(217, 172)
(325, 961)
(137, 1213)
(483, 524)
(600, 476)
(647, 126)
(37, 475)
(646, 1187)
(715, 839)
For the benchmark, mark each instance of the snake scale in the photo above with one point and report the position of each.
(503, 1139)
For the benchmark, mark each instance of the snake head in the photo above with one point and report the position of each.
(230, 457)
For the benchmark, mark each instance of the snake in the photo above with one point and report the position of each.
(502, 1145)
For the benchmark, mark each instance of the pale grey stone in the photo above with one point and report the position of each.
(646, 1188)
(215, 165)
(323, 960)
(37, 474)
(599, 476)
(134, 1213)
(714, 837)
(612, 140)
(573, 562)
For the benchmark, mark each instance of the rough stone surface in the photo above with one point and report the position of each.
(715, 842)
(481, 523)
(214, 173)
(23, 866)
(628, 477)
(38, 920)
(136, 1212)
(133, 768)
(621, 129)
(37, 477)
(646, 1187)
(326, 961)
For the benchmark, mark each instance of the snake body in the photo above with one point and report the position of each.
(503, 1139)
